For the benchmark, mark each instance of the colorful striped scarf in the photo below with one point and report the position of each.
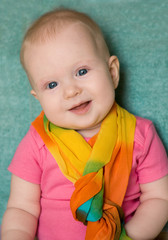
(99, 169)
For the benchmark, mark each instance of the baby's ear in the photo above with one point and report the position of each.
(34, 94)
(114, 68)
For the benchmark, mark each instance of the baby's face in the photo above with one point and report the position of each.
(71, 80)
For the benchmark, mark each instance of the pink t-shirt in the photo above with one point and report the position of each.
(34, 163)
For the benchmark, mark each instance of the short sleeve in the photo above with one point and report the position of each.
(26, 162)
(153, 163)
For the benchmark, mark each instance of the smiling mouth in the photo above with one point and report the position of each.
(81, 108)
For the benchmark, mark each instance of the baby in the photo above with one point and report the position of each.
(87, 168)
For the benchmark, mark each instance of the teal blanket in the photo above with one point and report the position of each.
(136, 31)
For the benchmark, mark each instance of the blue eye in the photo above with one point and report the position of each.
(82, 72)
(52, 85)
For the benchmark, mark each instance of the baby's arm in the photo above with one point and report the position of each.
(152, 214)
(23, 209)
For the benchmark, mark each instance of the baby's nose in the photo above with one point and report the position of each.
(71, 90)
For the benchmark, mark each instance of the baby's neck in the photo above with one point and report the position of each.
(88, 133)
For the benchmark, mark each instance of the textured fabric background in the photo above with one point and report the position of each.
(136, 31)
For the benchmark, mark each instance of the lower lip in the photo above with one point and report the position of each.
(82, 109)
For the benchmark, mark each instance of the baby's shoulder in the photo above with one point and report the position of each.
(149, 156)
(32, 138)
(144, 129)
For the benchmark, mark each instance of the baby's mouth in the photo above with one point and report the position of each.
(81, 108)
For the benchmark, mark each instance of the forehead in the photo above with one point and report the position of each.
(77, 33)
(72, 39)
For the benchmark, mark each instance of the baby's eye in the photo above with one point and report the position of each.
(82, 72)
(52, 85)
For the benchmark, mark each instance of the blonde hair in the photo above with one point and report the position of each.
(52, 22)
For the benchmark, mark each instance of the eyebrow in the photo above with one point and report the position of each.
(86, 62)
